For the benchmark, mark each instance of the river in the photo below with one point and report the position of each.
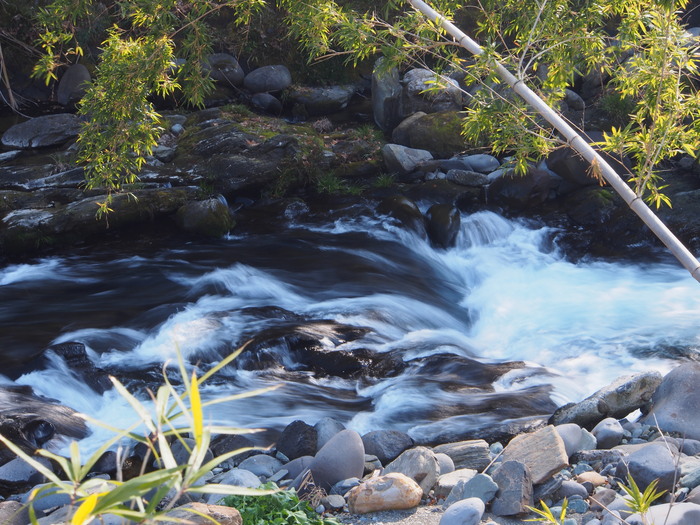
(500, 326)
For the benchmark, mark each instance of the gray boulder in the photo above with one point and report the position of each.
(515, 489)
(650, 462)
(419, 464)
(182, 450)
(608, 433)
(386, 445)
(41, 132)
(318, 101)
(465, 512)
(73, 84)
(624, 395)
(386, 96)
(403, 160)
(297, 466)
(467, 178)
(447, 482)
(422, 91)
(575, 438)
(261, 465)
(13, 513)
(482, 162)
(225, 69)
(480, 486)
(326, 428)
(341, 458)
(210, 218)
(676, 402)
(297, 439)
(266, 103)
(268, 79)
(445, 463)
(542, 451)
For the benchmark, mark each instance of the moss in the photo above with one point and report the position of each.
(439, 133)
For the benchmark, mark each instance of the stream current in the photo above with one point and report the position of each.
(498, 327)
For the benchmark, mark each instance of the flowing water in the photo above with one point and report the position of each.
(498, 327)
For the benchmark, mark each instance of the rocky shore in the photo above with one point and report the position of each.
(582, 455)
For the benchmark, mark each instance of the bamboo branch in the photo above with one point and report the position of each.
(575, 141)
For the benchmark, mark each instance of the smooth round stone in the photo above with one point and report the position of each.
(464, 512)
(445, 463)
(341, 458)
(261, 465)
(608, 433)
(326, 428)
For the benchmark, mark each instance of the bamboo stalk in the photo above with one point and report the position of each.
(676, 247)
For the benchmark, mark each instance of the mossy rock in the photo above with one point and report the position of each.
(439, 133)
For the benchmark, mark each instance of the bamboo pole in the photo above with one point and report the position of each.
(684, 256)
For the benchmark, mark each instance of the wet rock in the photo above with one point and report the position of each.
(472, 454)
(443, 223)
(438, 133)
(519, 192)
(75, 356)
(422, 91)
(225, 69)
(326, 428)
(465, 512)
(608, 433)
(543, 452)
(419, 464)
(467, 178)
(447, 482)
(297, 439)
(268, 79)
(652, 461)
(267, 103)
(406, 211)
(515, 489)
(201, 514)
(343, 457)
(318, 101)
(591, 206)
(403, 160)
(624, 395)
(392, 491)
(386, 96)
(386, 445)
(73, 84)
(41, 132)
(676, 402)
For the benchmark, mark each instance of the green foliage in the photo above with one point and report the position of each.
(281, 507)
(174, 416)
(545, 514)
(385, 180)
(640, 501)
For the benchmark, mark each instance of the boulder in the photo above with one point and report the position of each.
(676, 402)
(624, 395)
(514, 489)
(386, 96)
(481, 162)
(392, 491)
(73, 84)
(298, 466)
(652, 461)
(575, 438)
(423, 91)
(473, 454)
(445, 463)
(447, 482)
(326, 428)
(267, 103)
(464, 512)
(261, 465)
(182, 450)
(238, 478)
(418, 463)
(318, 101)
(75, 356)
(268, 79)
(543, 452)
(438, 133)
(386, 445)
(519, 192)
(480, 486)
(42, 132)
(442, 224)
(406, 211)
(297, 439)
(209, 218)
(591, 206)
(468, 178)
(342, 457)
(403, 160)
(224, 69)
(401, 133)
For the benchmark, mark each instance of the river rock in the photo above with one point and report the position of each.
(341, 458)
(402, 132)
(224, 69)
(418, 463)
(445, 463)
(392, 491)
(326, 428)
(467, 178)
(519, 192)
(238, 478)
(474, 454)
(515, 489)
(403, 160)
(386, 96)
(75, 356)
(73, 84)
(575, 438)
(439, 133)
(209, 218)
(543, 452)
(571, 488)
(482, 162)
(42, 132)
(447, 482)
(268, 79)
(602, 498)
(267, 103)
(201, 514)
(480, 486)
(422, 91)
(683, 513)
(406, 211)
(297, 439)
(624, 395)
(676, 402)
(443, 223)
(13, 513)
(652, 461)
(608, 433)
(225, 443)
(324, 100)
(464, 512)
(386, 445)
(261, 465)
